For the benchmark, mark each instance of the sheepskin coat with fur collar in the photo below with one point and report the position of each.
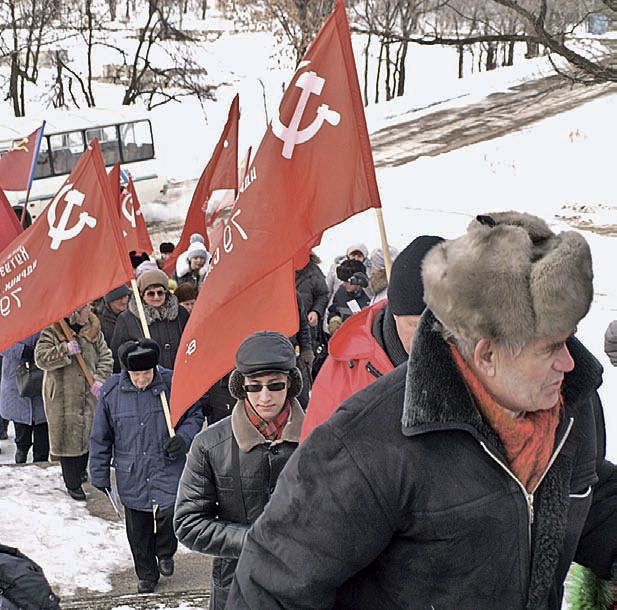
(210, 517)
(370, 513)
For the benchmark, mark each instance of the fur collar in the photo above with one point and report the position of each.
(183, 266)
(247, 436)
(168, 311)
(378, 281)
(436, 395)
(89, 331)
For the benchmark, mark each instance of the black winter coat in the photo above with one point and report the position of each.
(166, 324)
(209, 517)
(312, 288)
(108, 320)
(371, 514)
(342, 299)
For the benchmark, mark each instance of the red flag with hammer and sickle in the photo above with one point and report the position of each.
(18, 164)
(73, 254)
(314, 168)
(10, 227)
(132, 221)
(220, 173)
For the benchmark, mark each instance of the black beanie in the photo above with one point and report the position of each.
(116, 293)
(405, 291)
(348, 267)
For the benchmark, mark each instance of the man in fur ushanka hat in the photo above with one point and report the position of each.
(474, 475)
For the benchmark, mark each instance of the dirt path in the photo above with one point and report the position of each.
(496, 115)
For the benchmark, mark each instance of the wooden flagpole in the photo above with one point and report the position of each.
(384, 243)
(146, 331)
(80, 359)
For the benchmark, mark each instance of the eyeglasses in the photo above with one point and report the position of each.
(155, 293)
(275, 386)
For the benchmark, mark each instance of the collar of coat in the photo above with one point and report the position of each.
(167, 311)
(89, 331)
(436, 395)
(247, 436)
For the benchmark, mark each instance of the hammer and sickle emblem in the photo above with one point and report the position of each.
(21, 145)
(60, 232)
(310, 83)
(130, 216)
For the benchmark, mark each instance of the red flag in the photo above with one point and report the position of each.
(220, 173)
(114, 182)
(10, 227)
(72, 254)
(313, 169)
(132, 221)
(18, 164)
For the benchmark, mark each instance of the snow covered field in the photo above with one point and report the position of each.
(560, 168)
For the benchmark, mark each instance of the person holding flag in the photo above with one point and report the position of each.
(130, 434)
(68, 398)
(233, 465)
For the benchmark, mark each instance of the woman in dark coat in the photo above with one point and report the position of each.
(166, 319)
(130, 434)
(27, 414)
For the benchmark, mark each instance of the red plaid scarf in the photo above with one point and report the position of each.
(270, 430)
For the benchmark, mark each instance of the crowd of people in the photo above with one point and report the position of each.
(431, 436)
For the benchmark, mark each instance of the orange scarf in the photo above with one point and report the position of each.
(528, 441)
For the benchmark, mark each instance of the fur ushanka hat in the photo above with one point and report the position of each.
(510, 279)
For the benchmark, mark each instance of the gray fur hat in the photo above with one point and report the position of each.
(510, 279)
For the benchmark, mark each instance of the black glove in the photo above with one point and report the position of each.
(175, 446)
(358, 279)
(103, 490)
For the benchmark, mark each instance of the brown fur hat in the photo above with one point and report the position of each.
(509, 278)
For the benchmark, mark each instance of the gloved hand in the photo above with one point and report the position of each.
(103, 490)
(334, 323)
(307, 356)
(95, 388)
(175, 446)
(72, 348)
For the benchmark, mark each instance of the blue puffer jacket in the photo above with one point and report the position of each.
(130, 424)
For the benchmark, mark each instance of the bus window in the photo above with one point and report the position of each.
(108, 139)
(43, 164)
(66, 148)
(136, 140)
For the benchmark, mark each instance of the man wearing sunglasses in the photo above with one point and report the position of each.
(233, 466)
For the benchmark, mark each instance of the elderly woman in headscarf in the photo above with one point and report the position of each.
(165, 318)
(69, 399)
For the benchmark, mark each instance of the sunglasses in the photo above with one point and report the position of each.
(155, 293)
(275, 386)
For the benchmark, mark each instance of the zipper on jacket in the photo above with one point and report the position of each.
(373, 371)
(529, 497)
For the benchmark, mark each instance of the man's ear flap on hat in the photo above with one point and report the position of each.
(150, 344)
(124, 350)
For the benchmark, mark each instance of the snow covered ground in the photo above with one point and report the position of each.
(559, 168)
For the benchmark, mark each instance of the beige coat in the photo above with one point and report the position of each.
(69, 404)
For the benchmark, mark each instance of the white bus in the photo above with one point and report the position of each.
(125, 135)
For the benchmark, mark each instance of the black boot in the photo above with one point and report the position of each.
(21, 456)
(146, 586)
(77, 494)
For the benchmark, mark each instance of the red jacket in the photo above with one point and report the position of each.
(355, 361)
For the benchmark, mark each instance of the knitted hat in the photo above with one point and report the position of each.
(187, 291)
(264, 352)
(116, 293)
(405, 291)
(377, 259)
(166, 247)
(152, 277)
(348, 267)
(196, 237)
(140, 355)
(357, 248)
(145, 266)
(510, 279)
(196, 249)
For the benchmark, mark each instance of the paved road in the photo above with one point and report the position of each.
(498, 114)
